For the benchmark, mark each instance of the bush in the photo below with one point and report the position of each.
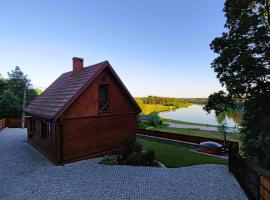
(109, 160)
(132, 155)
(10, 105)
(141, 158)
(154, 119)
(140, 123)
(131, 146)
(135, 158)
(148, 157)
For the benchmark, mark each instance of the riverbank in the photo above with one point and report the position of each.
(191, 123)
(187, 123)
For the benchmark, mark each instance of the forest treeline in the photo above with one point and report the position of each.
(196, 100)
(168, 101)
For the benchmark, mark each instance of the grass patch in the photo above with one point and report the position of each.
(210, 134)
(187, 123)
(176, 155)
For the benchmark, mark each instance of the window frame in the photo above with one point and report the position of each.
(102, 107)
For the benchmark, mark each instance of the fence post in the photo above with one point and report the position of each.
(259, 190)
(229, 160)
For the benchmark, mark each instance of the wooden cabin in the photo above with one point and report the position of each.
(84, 113)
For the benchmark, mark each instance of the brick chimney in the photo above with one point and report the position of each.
(77, 65)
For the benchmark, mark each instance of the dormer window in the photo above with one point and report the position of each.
(104, 104)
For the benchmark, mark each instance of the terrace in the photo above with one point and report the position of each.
(25, 173)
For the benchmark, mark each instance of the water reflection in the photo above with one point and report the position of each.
(236, 116)
(196, 114)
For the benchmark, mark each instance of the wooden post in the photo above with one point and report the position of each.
(23, 106)
(229, 160)
(264, 188)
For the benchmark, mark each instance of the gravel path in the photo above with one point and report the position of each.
(27, 174)
(196, 127)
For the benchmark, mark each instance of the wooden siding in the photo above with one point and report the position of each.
(81, 130)
(47, 145)
(90, 135)
(87, 103)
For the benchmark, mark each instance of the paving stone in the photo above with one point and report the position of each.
(26, 174)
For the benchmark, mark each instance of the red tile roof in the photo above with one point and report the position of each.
(66, 88)
(57, 95)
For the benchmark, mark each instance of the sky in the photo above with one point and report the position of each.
(157, 47)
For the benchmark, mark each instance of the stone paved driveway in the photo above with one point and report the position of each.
(27, 174)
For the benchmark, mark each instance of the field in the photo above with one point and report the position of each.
(177, 155)
(160, 104)
(149, 108)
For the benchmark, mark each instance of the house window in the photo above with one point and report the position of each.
(104, 104)
(44, 130)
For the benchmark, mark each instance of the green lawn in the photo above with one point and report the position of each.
(210, 134)
(176, 155)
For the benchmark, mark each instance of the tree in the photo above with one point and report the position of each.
(219, 102)
(223, 129)
(3, 84)
(38, 91)
(243, 68)
(30, 95)
(220, 118)
(11, 93)
(10, 105)
(154, 119)
(17, 82)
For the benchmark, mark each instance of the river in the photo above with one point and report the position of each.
(196, 114)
